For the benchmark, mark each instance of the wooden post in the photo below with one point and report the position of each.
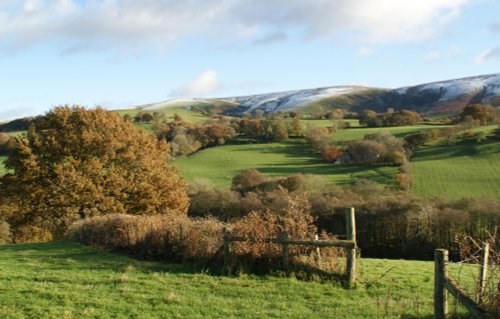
(285, 250)
(351, 252)
(483, 272)
(318, 251)
(227, 252)
(440, 275)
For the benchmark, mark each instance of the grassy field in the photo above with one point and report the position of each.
(3, 170)
(67, 280)
(326, 123)
(221, 163)
(358, 133)
(181, 110)
(467, 169)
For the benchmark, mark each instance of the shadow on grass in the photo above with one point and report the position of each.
(64, 254)
(460, 149)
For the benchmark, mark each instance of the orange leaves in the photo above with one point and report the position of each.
(77, 163)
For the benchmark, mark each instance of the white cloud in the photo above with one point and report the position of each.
(135, 25)
(363, 51)
(204, 84)
(433, 56)
(488, 55)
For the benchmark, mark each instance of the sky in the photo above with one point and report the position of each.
(122, 53)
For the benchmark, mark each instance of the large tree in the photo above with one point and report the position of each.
(479, 112)
(78, 163)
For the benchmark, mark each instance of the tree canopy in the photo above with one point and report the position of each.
(479, 112)
(78, 163)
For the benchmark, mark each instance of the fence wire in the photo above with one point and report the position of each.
(467, 272)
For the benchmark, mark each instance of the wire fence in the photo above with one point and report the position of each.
(478, 273)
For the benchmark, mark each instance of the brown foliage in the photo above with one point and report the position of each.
(480, 112)
(6, 143)
(5, 234)
(330, 153)
(247, 180)
(295, 218)
(471, 250)
(79, 163)
(390, 118)
(173, 238)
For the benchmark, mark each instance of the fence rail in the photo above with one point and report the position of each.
(349, 244)
(443, 285)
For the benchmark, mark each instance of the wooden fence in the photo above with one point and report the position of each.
(349, 244)
(443, 285)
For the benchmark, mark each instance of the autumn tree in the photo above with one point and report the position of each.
(480, 112)
(5, 143)
(78, 163)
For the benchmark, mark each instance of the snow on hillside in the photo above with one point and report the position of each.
(453, 89)
(420, 97)
(290, 99)
(172, 103)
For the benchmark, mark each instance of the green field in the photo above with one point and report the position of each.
(358, 133)
(182, 109)
(220, 164)
(326, 123)
(67, 280)
(2, 166)
(467, 169)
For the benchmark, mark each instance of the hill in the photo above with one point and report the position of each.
(438, 98)
(67, 280)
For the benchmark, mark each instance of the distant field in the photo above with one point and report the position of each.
(468, 169)
(326, 123)
(220, 164)
(67, 280)
(189, 116)
(358, 133)
(2, 166)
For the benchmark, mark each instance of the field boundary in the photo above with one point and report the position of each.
(443, 285)
(350, 244)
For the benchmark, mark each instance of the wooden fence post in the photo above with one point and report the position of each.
(483, 272)
(227, 252)
(440, 275)
(285, 250)
(351, 252)
(180, 233)
(318, 251)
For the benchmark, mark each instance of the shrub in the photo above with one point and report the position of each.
(317, 137)
(403, 180)
(172, 238)
(6, 144)
(77, 163)
(5, 234)
(331, 153)
(479, 112)
(247, 180)
(367, 151)
(295, 218)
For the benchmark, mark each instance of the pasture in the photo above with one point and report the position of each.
(466, 169)
(220, 164)
(3, 170)
(358, 133)
(67, 280)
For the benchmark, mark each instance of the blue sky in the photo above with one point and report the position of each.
(120, 53)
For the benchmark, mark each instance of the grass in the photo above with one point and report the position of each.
(181, 110)
(326, 123)
(358, 133)
(67, 280)
(466, 169)
(289, 157)
(3, 170)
